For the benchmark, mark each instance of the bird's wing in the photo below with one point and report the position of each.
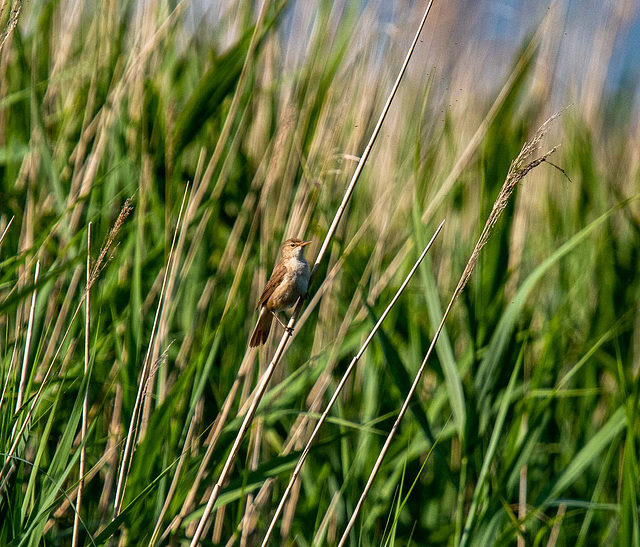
(276, 278)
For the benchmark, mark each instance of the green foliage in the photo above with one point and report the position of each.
(534, 381)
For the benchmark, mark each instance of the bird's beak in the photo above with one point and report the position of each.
(305, 243)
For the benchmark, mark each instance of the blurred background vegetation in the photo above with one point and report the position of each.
(533, 393)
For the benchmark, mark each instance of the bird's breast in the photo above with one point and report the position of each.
(300, 276)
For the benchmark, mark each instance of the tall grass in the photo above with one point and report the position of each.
(532, 393)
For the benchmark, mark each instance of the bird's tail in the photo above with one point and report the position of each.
(261, 332)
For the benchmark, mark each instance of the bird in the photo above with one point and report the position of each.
(288, 282)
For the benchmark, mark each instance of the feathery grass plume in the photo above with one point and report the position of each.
(264, 380)
(517, 171)
(102, 259)
(343, 380)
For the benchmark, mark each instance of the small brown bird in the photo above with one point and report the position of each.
(288, 282)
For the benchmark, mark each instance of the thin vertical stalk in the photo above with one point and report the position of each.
(524, 470)
(27, 344)
(11, 364)
(262, 385)
(341, 384)
(85, 403)
(4, 232)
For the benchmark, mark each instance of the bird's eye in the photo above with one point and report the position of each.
(293, 244)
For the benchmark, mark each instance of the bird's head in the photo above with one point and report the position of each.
(293, 247)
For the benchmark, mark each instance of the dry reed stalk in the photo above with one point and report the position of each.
(524, 470)
(256, 435)
(341, 384)
(291, 505)
(250, 516)
(5, 57)
(132, 436)
(114, 431)
(85, 402)
(517, 171)
(555, 530)
(329, 518)
(59, 317)
(262, 385)
(256, 441)
(522, 503)
(27, 343)
(99, 265)
(218, 522)
(6, 229)
(12, 362)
